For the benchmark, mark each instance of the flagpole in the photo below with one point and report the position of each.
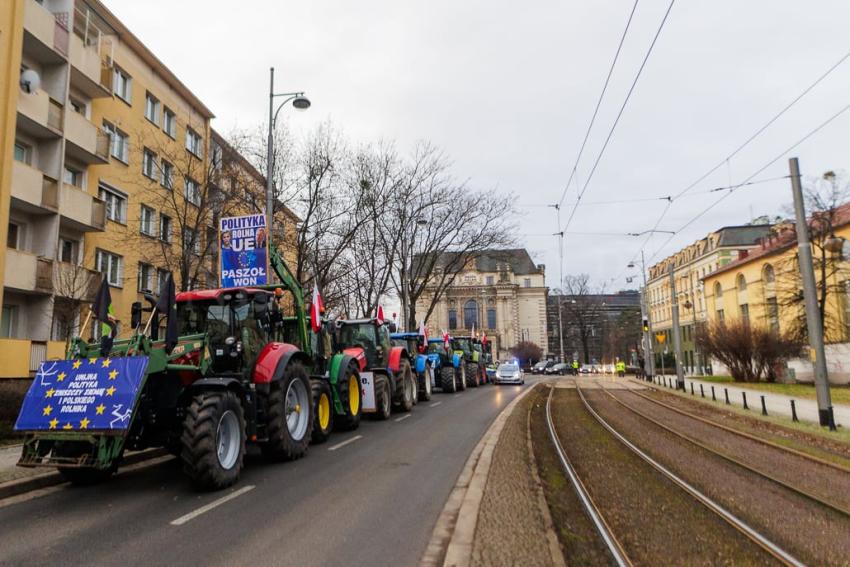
(148, 324)
(85, 324)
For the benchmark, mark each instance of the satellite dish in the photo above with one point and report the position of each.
(30, 81)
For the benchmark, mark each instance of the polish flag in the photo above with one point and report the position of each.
(380, 316)
(423, 333)
(316, 309)
(446, 337)
(484, 338)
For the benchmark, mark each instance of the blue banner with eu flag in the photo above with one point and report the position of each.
(83, 394)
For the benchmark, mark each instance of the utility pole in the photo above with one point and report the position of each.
(813, 323)
(677, 332)
(650, 354)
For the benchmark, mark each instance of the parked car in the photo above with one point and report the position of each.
(509, 374)
(561, 369)
(540, 367)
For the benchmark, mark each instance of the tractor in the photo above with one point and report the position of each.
(447, 365)
(422, 365)
(363, 346)
(476, 372)
(228, 381)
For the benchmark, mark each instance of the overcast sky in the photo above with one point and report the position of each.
(508, 88)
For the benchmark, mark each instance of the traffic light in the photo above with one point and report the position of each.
(645, 325)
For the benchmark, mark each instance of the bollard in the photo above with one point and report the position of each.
(744, 395)
(713, 397)
(793, 411)
(726, 391)
(701, 391)
(692, 388)
(763, 407)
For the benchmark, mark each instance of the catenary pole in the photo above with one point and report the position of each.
(813, 322)
(650, 354)
(270, 159)
(677, 332)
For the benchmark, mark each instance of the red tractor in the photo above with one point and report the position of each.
(364, 345)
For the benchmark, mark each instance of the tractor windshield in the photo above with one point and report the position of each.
(436, 348)
(205, 317)
(462, 344)
(359, 335)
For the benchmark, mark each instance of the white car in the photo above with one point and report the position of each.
(509, 374)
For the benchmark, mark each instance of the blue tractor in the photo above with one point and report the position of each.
(422, 365)
(447, 366)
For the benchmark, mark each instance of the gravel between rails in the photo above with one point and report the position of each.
(807, 530)
(815, 478)
(829, 449)
(579, 539)
(656, 522)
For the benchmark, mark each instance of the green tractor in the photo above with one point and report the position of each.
(475, 367)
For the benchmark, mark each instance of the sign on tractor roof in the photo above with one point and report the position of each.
(244, 258)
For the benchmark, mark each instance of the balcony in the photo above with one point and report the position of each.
(80, 210)
(85, 141)
(33, 191)
(45, 34)
(75, 282)
(39, 115)
(86, 69)
(28, 273)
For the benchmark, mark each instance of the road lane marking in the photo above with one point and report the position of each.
(214, 504)
(402, 418)
(344, 443)
(435, 404)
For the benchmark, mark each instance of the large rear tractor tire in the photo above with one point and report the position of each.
(426, 384)
(447, 379)
(404, 398)
(383, 401)
(290, 414)
(460, 376)
(349, 391)
(323, 415)
(472, 375)
(213, 439)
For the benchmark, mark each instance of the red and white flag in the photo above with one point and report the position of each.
(484, 338)
(446, 337)
(473, 335)
(316, 309)
(380, 316)
(423, 333)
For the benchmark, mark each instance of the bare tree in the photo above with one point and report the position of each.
(582, 312)
(75, 288)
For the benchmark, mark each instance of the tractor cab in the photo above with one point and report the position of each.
(413, 342)
(238, 323)
(463, 344)
(374, 339)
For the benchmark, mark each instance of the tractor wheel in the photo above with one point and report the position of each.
(425, 384)
(290, 414)
(461, 377)
(447, 379)
(349, 392)
(213, 439)
(323, 416)
(415, 388)
(81, 476)
(404, 398)
(472, 375)
(383, 401)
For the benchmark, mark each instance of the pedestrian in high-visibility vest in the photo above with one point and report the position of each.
(575, 367)
(621, 368)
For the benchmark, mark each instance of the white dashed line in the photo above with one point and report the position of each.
(435, 404)
(344, 443)
(402, 418)
(214, 504)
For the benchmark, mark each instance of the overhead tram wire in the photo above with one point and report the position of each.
(620, 113)
(598, 103)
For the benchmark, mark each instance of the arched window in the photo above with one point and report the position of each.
(742, 283)
(768, 275)
(470, 314)
(718, 290)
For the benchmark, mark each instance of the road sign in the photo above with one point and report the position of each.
(660, 337)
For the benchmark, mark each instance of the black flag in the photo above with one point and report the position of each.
(167, 305)
(102, 308)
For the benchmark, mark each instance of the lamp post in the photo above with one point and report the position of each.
(300, 102)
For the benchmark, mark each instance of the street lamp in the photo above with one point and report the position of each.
(300, 102)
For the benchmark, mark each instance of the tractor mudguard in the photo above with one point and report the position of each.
(435, 361)
(358, 354)
(396, 356)
(273, 360)
(421, 362)
(457, 360)
(216, 384)
(339, 362)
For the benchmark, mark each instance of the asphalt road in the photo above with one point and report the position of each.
(372, 501)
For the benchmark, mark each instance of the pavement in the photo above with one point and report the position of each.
(367, 497)
(776, 404)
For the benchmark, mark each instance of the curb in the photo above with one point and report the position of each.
(451, 541)
(23, 485)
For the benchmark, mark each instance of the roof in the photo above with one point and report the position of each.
(490, 260)
(214, 294)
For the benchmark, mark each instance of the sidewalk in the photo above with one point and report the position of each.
(8, 471)
(777, 404)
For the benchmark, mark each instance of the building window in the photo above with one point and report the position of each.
(169, 122)
(120, 142)
(526, 282)
(111, 266)
(491, 318)
(149, 164)
(773, 314)
(191, 241)
(116, 204)
(166, 174)
(193, 192)
(151, 108)
(72, 176)
(23, 153)
(68, 250)
(193, 142)
(745, 313)
(470, 314)
(718, 290)
(161, 278)
(122, 85)
(77, 105)
(720, 315)
(8, 321)
(769, 275)
(452, 319)
(164, 228)
(146, 272)
(490, 280)
(742, 283)
(13, 235)
(146, 225)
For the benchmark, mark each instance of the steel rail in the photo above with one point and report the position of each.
(611, 542)
(745, 435)
(737, 523)
(729, 458)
